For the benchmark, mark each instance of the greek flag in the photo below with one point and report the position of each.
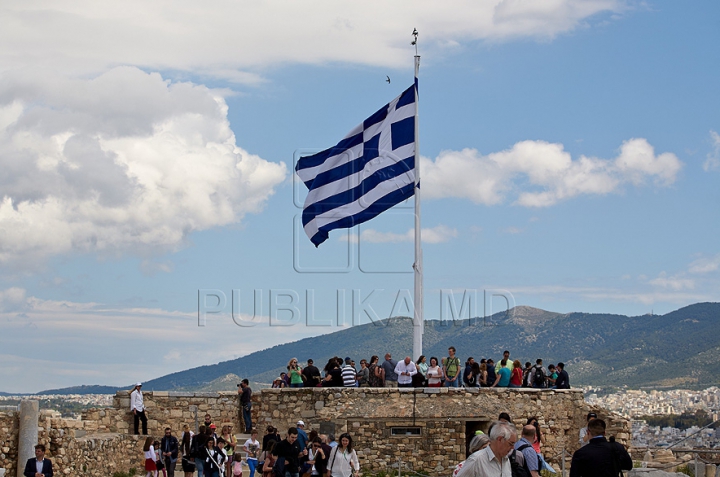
(367, 172)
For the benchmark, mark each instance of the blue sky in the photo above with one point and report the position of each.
(571, 159)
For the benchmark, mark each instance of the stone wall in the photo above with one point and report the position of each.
(101, 442)
(9, 442)
(170, 409)
(446, 419)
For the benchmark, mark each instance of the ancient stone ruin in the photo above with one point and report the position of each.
(424, 429)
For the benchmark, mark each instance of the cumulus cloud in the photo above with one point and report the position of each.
(241, 36)
(123, 161)
(547, 172)
(712, 163)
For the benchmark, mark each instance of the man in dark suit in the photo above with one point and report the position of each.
(599, 458)
(39, 466)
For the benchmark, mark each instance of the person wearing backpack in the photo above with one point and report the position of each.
(531, 464)
(539, 375)
(451, 370)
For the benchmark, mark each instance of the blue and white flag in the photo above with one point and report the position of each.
(367, 172)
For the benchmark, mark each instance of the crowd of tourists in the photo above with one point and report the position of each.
(504, 450)
(508, 451)
(433, 372)
(213, 454)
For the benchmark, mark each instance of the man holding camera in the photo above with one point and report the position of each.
(246, 402)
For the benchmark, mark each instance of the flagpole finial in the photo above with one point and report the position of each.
(414, 42)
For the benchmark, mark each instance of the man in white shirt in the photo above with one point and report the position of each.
(492, 461)
(137, 407)
(405, 370)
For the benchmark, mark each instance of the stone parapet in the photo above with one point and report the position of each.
(426, 428)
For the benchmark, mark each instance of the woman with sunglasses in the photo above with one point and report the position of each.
(295, 373)
(343, 461)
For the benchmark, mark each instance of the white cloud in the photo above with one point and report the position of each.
(122, 162)
(153, 267)
(68, 343)
(550, 172)
(675, 282)
(439, 234)
(227, 39)
(705, 265)
(712, 163)
(512, 230)
(610, 294)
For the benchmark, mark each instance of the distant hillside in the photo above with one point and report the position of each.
(93, 389)
(676, 349)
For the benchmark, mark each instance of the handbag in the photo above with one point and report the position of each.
(188, 465)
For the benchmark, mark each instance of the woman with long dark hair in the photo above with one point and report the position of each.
(343, 461)
(150, 457)
(188, 463)
(420, 379)
(375, 378)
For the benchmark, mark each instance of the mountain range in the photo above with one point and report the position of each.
(677, 349)
(672, 350)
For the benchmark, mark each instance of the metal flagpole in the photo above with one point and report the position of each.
(418, 322)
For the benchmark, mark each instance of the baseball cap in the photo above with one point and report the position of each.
(300, 423)
(213, 426)
(138, 384)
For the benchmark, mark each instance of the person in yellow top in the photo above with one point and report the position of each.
(230, 443)
(506, 362)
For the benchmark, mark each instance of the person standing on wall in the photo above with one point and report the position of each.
(391, 377)
(137, 407)
(246, 403)
(451, 369)
(405, 370)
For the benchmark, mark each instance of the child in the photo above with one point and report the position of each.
(150, 458)
(160, 465)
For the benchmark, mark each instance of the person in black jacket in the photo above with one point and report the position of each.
(271, 435)
(169, 451)
(289, 450)
(214, 458)
(599, 458)
(312, 374)
(39, 466)
(563, 380)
